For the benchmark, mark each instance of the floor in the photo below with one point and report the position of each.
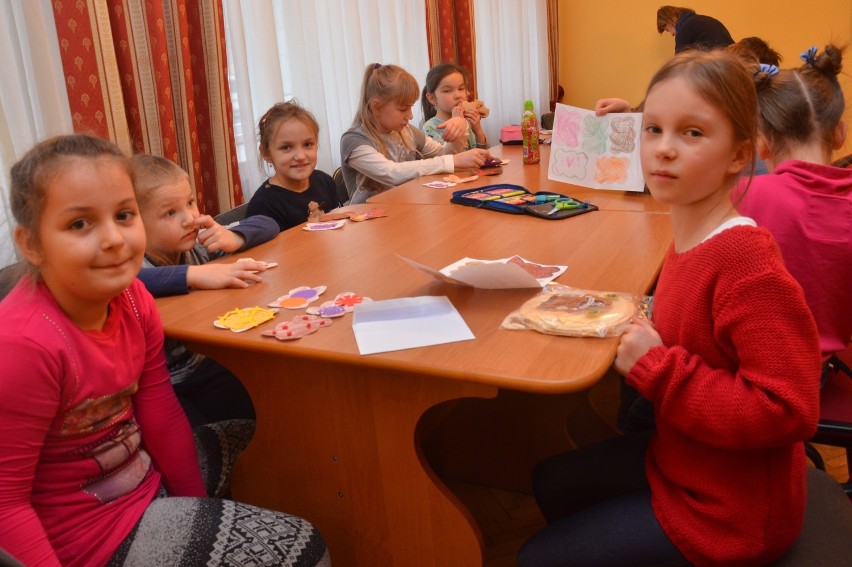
(508, 519)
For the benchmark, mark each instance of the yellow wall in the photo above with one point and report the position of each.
(612, 48)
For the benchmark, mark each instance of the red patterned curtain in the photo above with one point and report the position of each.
(556, 90)
(449, 29)
(151, 75)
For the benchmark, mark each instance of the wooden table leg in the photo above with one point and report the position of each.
(335, 444)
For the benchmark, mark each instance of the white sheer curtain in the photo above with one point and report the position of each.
(511, 60)
(316, 52)
(33, 99)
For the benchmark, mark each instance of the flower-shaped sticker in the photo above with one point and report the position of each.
(239, 320)
(348, 300)
(341, 305)
(298, 327)
(299, 297)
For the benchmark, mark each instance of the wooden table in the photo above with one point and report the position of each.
(340, 436)
(532, 177)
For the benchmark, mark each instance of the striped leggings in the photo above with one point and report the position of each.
(218, 532)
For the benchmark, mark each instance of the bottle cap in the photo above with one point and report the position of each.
(528, 105)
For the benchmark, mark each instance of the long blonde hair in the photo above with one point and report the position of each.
(386, 84)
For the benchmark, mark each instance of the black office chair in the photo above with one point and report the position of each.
(342, 192)
(826, 537)
(547, 121)
(7, 560)
(236, 214)
(9, 277)
(835, 418)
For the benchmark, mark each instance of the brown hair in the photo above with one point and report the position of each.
(433, 78)
(754, 47)
(721, 79)
(386, 84)
(31, 175)
(153, 172)
(802, 105)
(278, 113)
(669, 15)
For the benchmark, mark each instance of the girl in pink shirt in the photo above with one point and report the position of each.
(805, 202)
(93, 435)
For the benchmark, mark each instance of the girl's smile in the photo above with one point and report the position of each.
(91, 240)
(293, 154)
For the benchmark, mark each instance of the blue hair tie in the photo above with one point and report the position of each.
(770, 70)
(809, 56)
(376, 66)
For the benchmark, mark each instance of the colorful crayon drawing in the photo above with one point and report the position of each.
(622, 134)
(568, 164)
(594, 135)
(567, 128)
(611, 169)
(601, 152)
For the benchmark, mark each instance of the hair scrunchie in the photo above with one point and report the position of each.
(809, 56)
(770, 70)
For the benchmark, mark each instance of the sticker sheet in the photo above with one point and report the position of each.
(601, 152)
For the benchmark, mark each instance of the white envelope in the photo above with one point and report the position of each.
(407, 322)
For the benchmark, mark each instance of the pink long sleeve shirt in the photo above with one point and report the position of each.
(808, 209)
(91, 427)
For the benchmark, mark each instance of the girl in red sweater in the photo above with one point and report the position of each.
(731, 363)
(93, 437)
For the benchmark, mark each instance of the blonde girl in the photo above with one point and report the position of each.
(382, 149)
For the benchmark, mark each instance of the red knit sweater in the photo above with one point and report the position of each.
(736, 391)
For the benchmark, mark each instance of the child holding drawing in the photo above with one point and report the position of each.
(721, 480)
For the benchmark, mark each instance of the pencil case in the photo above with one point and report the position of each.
(514, 199)
(511, 135)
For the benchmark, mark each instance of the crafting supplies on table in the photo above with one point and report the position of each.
(507, 198)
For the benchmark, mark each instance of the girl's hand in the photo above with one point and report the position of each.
(639, 337)
(216, 237)
(471, 159)
(455, 128)
(475, 120)
(237, 274)
(606, 105)
(473, 117)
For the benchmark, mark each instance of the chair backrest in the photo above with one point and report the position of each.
(547, 121)
(236, 214)
(9, 277)
(826, 537)
(342, 193)
(844, 162)
(7, 560)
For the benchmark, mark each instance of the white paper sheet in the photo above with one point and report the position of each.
(408, 322)
(492, 274)
(601, 152)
